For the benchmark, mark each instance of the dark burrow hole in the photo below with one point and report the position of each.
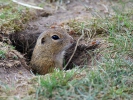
(25, 44)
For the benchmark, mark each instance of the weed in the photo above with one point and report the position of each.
(56, 80)
(2, 54)
(4, 51)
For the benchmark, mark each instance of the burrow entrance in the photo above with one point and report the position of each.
(25, 40)
(53, 14)
(25, 44)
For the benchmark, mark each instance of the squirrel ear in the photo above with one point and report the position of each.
(43, 40)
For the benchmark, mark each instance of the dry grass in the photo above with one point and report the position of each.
(10, 16)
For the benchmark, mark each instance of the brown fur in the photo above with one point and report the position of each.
(48, 53)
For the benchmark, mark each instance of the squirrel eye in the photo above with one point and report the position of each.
(55, 37)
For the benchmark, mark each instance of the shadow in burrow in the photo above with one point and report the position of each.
(25, 44)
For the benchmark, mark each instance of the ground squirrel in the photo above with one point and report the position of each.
(49, 50)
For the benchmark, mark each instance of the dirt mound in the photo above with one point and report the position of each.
(14, 72)
(12, 65)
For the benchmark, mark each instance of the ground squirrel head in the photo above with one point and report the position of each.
(49, 49)
(54, 40)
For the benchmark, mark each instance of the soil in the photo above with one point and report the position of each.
(54, 15)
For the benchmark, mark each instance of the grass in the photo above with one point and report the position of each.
(10, 15)
(112, 78)
(4, 50)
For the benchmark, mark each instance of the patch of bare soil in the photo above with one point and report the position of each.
(13, 72)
